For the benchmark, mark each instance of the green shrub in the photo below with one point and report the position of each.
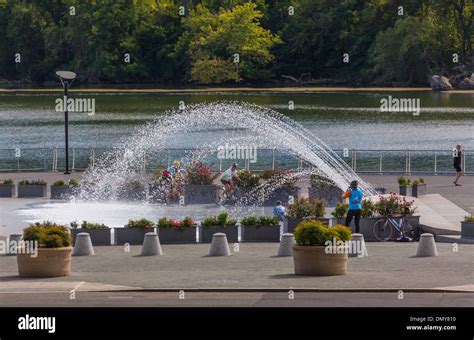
(221, 220)
(368, 208)
(73, 182)
(7, 182)
(318, 181)
(248, 179)
(469, 218)
(33, 182)
(88, 225)
(181, 225)
(419, 181)
(404, 181)
(135, 184)
(281, 177)
(197, 173)
(305, 207)
(48, 235)
(312, 233)
(344, 233)
(142, 223)
(341, 210)
(59, 183)
(260, 221)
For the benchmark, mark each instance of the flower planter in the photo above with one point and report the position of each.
(467, 229)
(329, 195)
(59, 192)
(231, 233)
(131, 236)
(175, 236)
(50, 262)
(367, 226)
(240, 194)
(313, 260)
(32, 190)
(99, 237)
(418, 190)
(7, 190)
(200, 194)
(280, 194)
(292, 222)
(255, 233)
(405, 191)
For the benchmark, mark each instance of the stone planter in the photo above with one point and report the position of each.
(50, 262)
(467, 229)
(280, 194)
(7, 190)
(405, 191)
(313, 260)
(200, 194)
(32, 190)
(59, 192)
(99, 237)
(174, 236)
(232, 233)
(257, 233)
(329, 195)
(132, 194)
(131, 236)
(367, 226)
(292, 222)
(418, 190)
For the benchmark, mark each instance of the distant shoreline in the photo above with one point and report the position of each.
(235, 90)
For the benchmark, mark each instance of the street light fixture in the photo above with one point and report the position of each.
(66, 77)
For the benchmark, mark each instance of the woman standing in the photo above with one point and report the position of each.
(457, 161)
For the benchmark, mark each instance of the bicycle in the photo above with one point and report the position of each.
(384, 227)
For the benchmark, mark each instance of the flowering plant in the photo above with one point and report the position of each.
(183, 224)
(394, 204)
(198, 173)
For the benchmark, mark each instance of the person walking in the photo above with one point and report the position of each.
(354, 194)
(279, 211)
(457, 161)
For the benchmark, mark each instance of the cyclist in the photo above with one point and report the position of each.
(227, 179)
(355, 204)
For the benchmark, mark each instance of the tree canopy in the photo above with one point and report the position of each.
(232, 41)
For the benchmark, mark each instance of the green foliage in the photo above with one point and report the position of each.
(340, 210)
(33, 182)
(404, 181)
(305, 207)
(142, 223)
(88, 225)
(318, 181)
(135, 184)
(315, 233)
(73, 183)
(48, 235)
(368, 208)
(280, 177)
(184, 224)
(469, 218)
(197, 173)
(248, 179)
(395, 205)
(221, 220)
(260, 221)
(6, 182)
(59, 183)
(419, 181)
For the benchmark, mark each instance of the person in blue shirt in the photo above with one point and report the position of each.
(355, 204)
(279, 211)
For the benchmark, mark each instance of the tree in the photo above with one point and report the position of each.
(231, 43)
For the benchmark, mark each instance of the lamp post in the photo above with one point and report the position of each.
(66, 78)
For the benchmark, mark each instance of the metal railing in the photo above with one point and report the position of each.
(361, 161)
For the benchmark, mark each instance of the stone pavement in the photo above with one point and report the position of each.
(389, 266)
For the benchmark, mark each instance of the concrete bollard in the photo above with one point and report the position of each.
(286, 245)
(357, 247)
(83, 245)
(151, 245)
(219, 245)
(426, 246)
(13, 243)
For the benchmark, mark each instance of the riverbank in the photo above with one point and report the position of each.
(235, 90)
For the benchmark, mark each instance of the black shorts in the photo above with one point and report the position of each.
(458, 168)
(224, 182)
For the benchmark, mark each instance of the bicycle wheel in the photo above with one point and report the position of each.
(407, 229)
(382, 230)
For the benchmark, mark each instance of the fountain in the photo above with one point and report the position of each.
(237, 123)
